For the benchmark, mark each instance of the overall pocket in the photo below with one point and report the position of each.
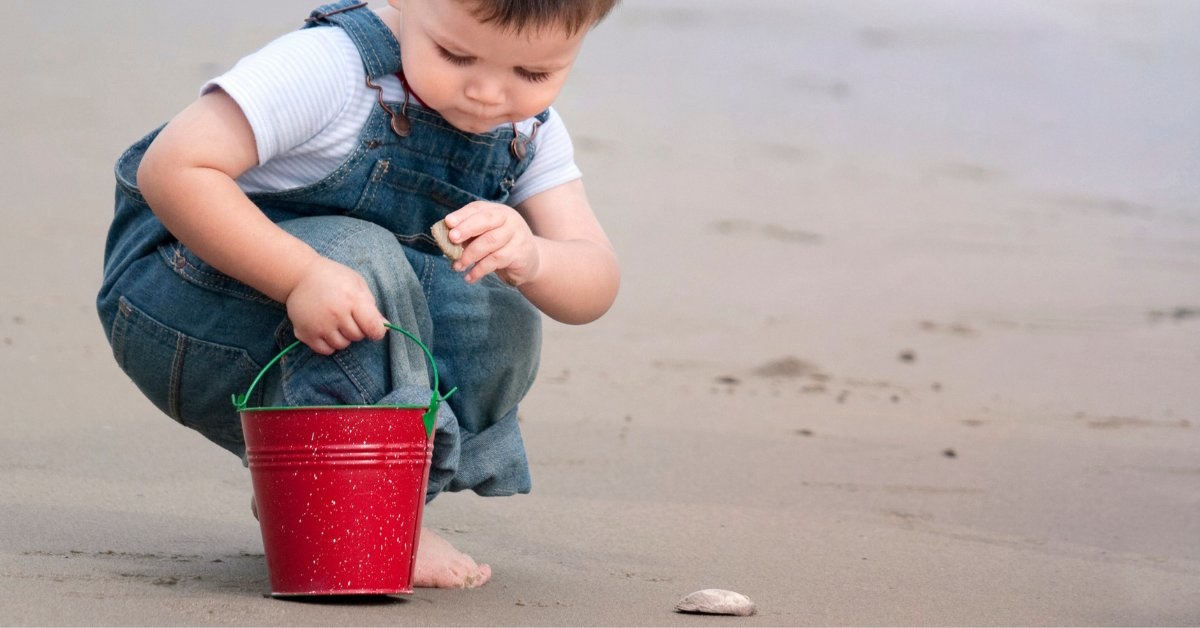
(407, 203)
(199, 272)
(190, 380)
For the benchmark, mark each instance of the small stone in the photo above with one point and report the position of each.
(716, 602)
(441, 235)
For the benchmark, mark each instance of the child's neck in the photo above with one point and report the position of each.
(409, 90)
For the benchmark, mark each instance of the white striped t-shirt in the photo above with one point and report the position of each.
(306, 99)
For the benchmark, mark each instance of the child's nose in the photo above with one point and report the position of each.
(485, 91)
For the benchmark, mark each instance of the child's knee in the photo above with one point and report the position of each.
(371, 250)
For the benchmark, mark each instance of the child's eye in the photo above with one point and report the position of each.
(453, 58)
(532, 77)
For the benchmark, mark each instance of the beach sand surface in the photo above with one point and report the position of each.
(909, 331)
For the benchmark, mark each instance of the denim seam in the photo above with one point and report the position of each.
(358, 31)
(282, 336)
(346, 234)
(208, 280)
(129, 189)
(427, 278)
(414, 238)
(368, 198)
(176, 381)
(356, 374)
(160, 332)
(119, 330)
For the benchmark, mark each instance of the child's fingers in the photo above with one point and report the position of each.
(486, 246)
(370, 321)
(474, 219)
(496, 260)
(318, 345)
(336, 340)
(312, 337)
(456, 217)
(364, 315)
(351, 330)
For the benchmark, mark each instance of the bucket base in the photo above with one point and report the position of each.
(344, 592)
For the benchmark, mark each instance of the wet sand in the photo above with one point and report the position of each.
(908, 334)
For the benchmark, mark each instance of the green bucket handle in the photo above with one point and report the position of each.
(435, 401)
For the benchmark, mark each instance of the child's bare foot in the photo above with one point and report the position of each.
(441, 566)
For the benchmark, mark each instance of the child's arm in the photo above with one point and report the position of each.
(187, 177)
(557, 255)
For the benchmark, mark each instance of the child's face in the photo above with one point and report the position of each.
(476, 75)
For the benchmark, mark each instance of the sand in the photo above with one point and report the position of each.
(908, 332)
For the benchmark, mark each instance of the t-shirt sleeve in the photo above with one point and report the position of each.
(553, 161)
(292, 88)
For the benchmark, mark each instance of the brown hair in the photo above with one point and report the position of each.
(524, 15)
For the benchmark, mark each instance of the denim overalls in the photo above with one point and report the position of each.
(190, 336)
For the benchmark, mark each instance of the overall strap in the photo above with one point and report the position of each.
(375, 42)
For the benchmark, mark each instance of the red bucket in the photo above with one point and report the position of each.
(340, 491)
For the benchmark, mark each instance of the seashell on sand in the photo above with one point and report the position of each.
(441, 235)
(716, 602)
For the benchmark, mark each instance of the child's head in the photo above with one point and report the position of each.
(481, 63)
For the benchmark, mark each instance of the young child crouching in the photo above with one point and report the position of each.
(293, 201)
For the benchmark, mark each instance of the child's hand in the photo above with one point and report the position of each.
(332, 306)
(496, 239)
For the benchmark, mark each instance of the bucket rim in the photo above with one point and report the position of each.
(336, 407)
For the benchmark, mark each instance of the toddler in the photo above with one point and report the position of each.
(293, 201)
